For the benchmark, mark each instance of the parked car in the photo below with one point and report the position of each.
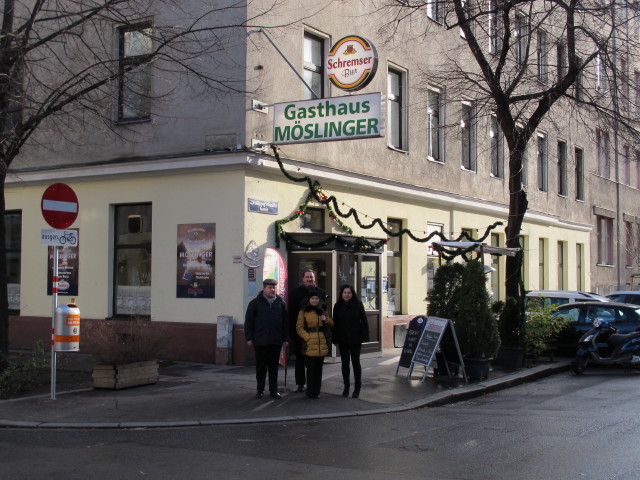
(625, 296)
(580, 317)
(561, 297)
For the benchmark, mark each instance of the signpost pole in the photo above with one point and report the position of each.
(54, 295)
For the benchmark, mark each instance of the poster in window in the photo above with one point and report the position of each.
(67, 268)
(196, 266)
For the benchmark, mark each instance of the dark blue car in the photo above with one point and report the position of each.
(579, 318)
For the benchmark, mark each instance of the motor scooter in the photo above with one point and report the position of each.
(625, 348)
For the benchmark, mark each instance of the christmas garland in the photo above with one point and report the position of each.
(331, 204)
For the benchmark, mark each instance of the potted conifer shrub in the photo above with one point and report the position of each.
(476, 326)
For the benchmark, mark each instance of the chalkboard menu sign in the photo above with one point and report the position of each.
(424, 338)
(411, 341)
(429, 341)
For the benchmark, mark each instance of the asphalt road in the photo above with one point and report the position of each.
(564, 427)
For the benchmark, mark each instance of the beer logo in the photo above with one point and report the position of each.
(352, 63)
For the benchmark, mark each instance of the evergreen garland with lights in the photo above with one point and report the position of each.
(331, 204)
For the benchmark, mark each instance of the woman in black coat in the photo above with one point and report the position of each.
(350, 331)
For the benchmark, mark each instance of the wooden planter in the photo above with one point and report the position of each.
(115, 377)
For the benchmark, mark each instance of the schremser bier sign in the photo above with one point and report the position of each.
(323, 119)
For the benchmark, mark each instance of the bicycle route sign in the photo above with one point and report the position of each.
(59, 206)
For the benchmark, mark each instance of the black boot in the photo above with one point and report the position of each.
(345, 392)
(356, 391)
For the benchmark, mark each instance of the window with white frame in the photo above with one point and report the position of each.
(602, 149)
(600, 82)
(604, 239)
(468, 135)
(521, 32)
(135, 48)
(542, 54)
(626, 165)
(562, 168)
(561, 60)
(496, 26)
(313, 73)
(579, 261)
(432, 254)
(435, 10)
(629, 243)
(578, 88)
(542, 263)
(395, 109)
(561, 265)
(394, 268)
(543, 163)
(624, 84)
(434, 125)
(579, 173)
(497, 148)
(468, 6)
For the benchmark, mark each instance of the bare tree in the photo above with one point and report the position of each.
(527, 62)
(60, 66)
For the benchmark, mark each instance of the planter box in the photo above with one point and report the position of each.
(477, 368)
(510, 357)
(115, 377)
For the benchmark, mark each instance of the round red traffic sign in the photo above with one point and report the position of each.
(59, 205)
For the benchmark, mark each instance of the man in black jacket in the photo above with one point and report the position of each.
(297, 301)
(265, 329)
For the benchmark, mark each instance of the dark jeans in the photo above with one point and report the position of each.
(314, 375)
(267, 357)
(297, 350)
(351, 352)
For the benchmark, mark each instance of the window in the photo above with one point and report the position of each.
(312, 220)
(432, 255)
(435, 10)
(496, 26)
(497, 148)
(495, 264)
(434, 126)
(599, 73)
(395, 104)
(624, 85)
(561, 264)
(579, 173)
(562, 168)
(602, 148)
(469, 234)
(521, 40)
(626, 166)
(636, 92)
(13, 246)
(543, 57)
(578, 85)
(132, 257)
(469, 7)
(561, 60)
(313, 66)
(604, 238)
(134, 74)
(394, 269)
(542, 162)
(628, 228)
(579, 261)
(542, 256)
(468, 135)
(638, 169)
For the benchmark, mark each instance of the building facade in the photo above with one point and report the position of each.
(181, 196)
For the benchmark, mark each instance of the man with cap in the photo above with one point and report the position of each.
(266, 330)
(298, 299)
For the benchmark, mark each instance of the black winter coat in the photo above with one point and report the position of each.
(350, 323)
(264, 323)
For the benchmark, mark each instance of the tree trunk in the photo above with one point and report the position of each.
(517, 208)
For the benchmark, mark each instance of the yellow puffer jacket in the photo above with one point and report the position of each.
(312, 333)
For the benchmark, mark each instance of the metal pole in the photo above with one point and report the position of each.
(54, 295)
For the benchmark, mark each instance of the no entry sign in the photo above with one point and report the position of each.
(59, 205)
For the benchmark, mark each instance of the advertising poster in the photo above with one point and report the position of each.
(67, 268)
(195, 276)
